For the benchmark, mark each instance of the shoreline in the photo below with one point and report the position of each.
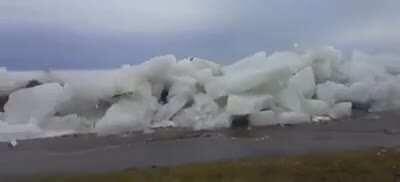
(77, 154)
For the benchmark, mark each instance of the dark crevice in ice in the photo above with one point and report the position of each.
(222, 101)
(33, 83)
(188, 104)
(164, 96)
(122, 95)
(200, 88)
(240, 121)
(360, 106)
(3, 101)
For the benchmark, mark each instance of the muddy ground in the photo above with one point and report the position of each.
(170, 147)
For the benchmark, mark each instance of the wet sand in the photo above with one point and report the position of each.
(170, 147)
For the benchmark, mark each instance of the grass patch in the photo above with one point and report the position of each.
(376, 165)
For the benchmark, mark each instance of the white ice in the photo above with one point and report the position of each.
(286, 87)
(34, 104)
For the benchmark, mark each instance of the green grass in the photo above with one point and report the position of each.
(350, 166)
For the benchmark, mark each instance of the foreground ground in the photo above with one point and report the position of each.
(369, 166)
(155, 156)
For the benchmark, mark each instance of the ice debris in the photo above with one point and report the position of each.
(287, 87)
(13, 143)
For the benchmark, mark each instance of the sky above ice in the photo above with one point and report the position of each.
(69, 34)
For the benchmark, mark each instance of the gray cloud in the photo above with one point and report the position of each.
(119, 15)
(100, 33)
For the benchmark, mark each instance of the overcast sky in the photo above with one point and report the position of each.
(67, 34)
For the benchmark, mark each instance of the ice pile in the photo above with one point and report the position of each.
(282, 88)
